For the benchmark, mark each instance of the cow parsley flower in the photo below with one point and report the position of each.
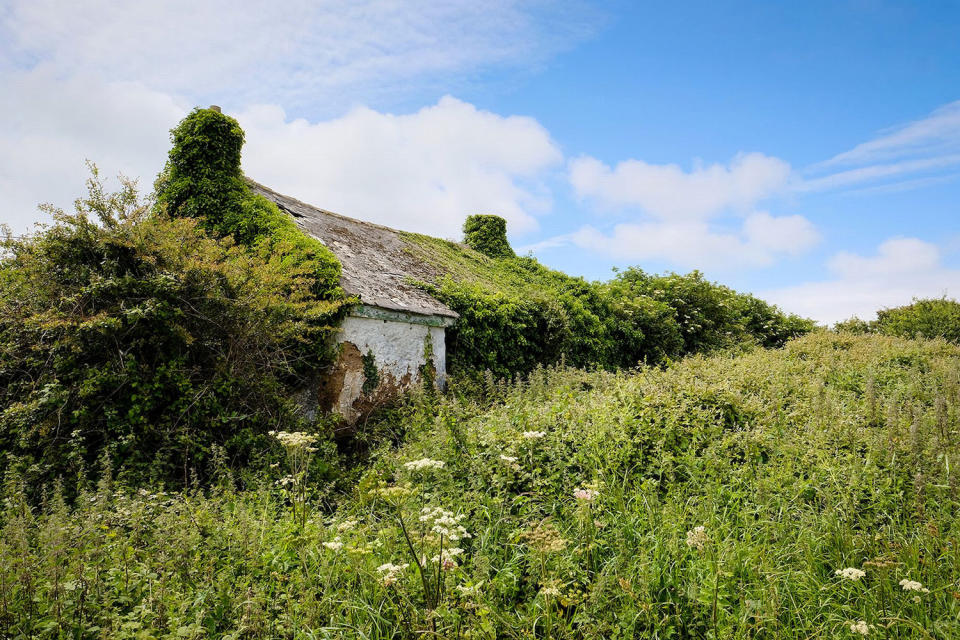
(861, 627)
(390, 572)
(424, 464)
(850, 573)
(507, 458)
(913, 585)
(697, 538)
(334, 545)
(346, 525)
(533, 435)
(585, 495)
(444, 523)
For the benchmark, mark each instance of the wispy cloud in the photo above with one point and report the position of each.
(936, 134)
(300, 53)
(920, 150)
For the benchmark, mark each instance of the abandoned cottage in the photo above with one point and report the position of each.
(396, 335)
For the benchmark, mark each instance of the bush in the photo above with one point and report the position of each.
(133, 335)
(930, 318)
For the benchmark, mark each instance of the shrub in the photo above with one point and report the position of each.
(134, 335)
(930, 318)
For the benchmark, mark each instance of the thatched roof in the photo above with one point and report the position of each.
(377, 263)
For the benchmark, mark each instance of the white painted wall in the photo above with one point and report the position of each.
(398, 350)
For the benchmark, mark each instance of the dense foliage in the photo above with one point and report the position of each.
(516, 314)
(799, 493)
(136, 336)
(927, 318)
(203, 180)
(487, 234)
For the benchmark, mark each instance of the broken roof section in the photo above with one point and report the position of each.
(377, 264)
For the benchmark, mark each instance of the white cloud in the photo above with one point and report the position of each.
(299, 52)
(683, 217)
(50, 126)
(761, 239)
(423, 171)
(669, 192)
(902, 269)
(107, 81)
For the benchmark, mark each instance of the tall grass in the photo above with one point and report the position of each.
(579, 498)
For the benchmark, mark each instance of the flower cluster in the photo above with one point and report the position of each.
(697, 538)
(334, 545)
(424, 464)
(444, 523)
(389, 572)
(850, 573)
(913, 585)
(533, 435)
(545, 538)
(346, 525)
(860, 627)
(510, 459)
(295, 439)
(585, 495)
(447, 558)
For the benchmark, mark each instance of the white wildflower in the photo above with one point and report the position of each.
(295, 439)
(334, 545)
(390, 572)
(850, 573)
(346, 525)
(424, 463)
(586, 495)
(913, 585)
(444, 523)
(533, 435)
(860, 627)
(697, 538)
(510, 459)
(446, 559)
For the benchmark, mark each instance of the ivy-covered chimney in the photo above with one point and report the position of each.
(488, 235)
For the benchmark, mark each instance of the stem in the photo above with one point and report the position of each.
(416, 561)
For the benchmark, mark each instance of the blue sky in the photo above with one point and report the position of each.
(807, 152)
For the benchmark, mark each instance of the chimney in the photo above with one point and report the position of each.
(216, 108)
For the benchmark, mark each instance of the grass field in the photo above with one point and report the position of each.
(804, 492)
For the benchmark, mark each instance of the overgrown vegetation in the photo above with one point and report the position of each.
(134, 335)
(798, 493)
(487, 234)
(516, 314)
(927, 318)
(203, 180)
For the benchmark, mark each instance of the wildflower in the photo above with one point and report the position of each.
(295, 439)
(393, 492)
(444, 523)
(533, 435)
(850, 573)
(913, 585)
(550, 589)
(586, 495)
(346, 525)
(424, 463)
(286, 481)
(545, 538)
(334, 545)
(390, 572)
(510, 459)
(697, 538)
(446, 558)
(860, 627)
